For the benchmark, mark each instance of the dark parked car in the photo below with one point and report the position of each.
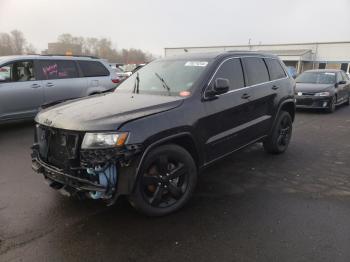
(162, 126)
(322, 88)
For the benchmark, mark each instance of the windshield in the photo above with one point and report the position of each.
(316, 78)
(165, 77)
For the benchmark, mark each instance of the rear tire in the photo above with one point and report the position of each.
(281, 134)
(166, 181)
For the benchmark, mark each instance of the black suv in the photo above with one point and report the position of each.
(162, 126)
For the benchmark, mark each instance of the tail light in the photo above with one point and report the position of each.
(115, 80)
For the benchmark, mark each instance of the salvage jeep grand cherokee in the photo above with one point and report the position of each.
(162, 126)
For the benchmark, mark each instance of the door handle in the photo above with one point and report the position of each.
(275, 87)
(49, 84)
(245, 96)
(35, 86)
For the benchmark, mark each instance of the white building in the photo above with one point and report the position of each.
(302, 56)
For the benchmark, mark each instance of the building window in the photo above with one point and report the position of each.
(344, 67)
(322, 66)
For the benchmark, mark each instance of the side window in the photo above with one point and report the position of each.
(344, 66)
(339, 77)
(256, 70)
(57, 69)
(93, 68)
(17, 72)
(345, 77)
(275, 69)
(322, 66)
(232, 70)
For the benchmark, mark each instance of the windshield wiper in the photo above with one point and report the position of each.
(165, 85)
(137, 84)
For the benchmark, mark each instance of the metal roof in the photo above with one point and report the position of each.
(213, 55)
(256, 45)
(295, 52)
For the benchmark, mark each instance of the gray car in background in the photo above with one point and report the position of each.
(28, 82)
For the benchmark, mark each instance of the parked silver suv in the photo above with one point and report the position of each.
(28, 82)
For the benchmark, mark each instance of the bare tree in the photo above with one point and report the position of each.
(18, 42)
(14, 43)
(5, 44)
(103, 48)
(30, 49)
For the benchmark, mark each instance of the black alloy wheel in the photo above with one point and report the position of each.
(284, 132)
(166, 181)
(281, 134)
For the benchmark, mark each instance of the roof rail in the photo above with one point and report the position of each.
(93, 57)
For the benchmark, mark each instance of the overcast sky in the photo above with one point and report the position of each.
(154, 24)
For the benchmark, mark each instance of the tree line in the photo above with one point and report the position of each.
(14, 43)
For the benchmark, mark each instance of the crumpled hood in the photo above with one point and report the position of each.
(312, 88)
(105, 112)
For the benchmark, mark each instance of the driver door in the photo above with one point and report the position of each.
(224, 124)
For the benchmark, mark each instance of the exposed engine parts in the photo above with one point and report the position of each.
(106, 176)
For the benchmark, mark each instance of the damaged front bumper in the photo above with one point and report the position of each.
(59, 176)
(100, 175)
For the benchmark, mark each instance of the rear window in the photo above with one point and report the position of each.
(256, 70)
(57, 69)
(93, 68)
(275, 69)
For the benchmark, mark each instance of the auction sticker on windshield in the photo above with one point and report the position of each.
(196, 63)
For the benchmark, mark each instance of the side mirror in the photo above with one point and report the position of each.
(221, 86)
(342, 82)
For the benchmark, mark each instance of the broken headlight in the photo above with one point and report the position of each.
(103, 140)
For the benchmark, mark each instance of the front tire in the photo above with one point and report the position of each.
(348, 101)
(281, 134)
(331, 107)
(166, 181)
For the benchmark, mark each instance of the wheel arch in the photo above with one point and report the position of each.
(183, 139)
(288, 106)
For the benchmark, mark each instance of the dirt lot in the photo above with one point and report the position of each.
(249, 207)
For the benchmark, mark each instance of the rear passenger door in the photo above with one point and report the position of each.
(224, 125)
(61, 80)
(263, 93)
(97, 76)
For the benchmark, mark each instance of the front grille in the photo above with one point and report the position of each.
(58, 147)
(308, 94)
(304, 102)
